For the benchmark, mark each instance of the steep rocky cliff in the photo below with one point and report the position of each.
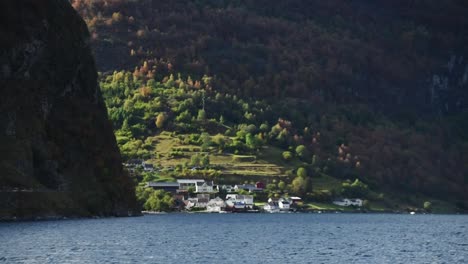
(58, 154)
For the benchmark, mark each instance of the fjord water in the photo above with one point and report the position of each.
(240, 238)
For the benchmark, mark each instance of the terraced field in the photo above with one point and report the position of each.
(228, 164)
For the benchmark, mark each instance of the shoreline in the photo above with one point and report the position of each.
(148, 213)
(54, 217)
(301, 212)
(5, 219)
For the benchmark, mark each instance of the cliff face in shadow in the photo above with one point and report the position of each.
(58, 155)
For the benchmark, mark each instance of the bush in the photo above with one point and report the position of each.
(301, 152)
(184, 117)
(220, 140)
(264, 127)
(252, 142)
(282, 186)
(287, 155)
(176, 154)
(159, 201)
(200, 160)
(237, 147)
(301, 172)
(237, 158)
(300, 186)
(194, 139)
(205, 141)
(271, 187)
(427, 206)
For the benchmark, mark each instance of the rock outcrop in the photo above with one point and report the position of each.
(58, 154)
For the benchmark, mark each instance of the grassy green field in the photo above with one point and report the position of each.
(267, 163)
(327, 207)
(324, 182)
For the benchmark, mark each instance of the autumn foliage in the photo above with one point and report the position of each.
(380, 53)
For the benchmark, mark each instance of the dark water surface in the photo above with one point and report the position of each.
(240, 238)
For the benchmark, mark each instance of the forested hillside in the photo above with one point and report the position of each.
(394, 55)
(345, 89)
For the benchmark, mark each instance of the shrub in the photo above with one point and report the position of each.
(159, 200)
(287, 155)
(282, 185)
(117, 17)
(301, 152)
(271, 187)
(427, 206)
(237, 158)
(184, 117)
(301, 172)
(264, 127)
(220, 140)
(300, 185)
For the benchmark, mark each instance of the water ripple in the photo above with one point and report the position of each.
(239, 238)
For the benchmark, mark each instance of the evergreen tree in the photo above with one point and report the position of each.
(201, 115)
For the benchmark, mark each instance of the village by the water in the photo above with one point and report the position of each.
(199, 195)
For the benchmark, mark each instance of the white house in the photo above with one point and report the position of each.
(228, 188)
(134, 163)
(235, 205)
(247, 199)
(215, 205)
(201, 201)
(148, 167)
(295, 199)
(247, 187)
(342, 202)
(356, 202)
(239, 201)
(204, 187)
(284, 204)
(233, 197)
(185, 184)
(348, 202)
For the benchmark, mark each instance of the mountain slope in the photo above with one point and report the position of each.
(375, 91)
(58, 155)
(398, 56)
